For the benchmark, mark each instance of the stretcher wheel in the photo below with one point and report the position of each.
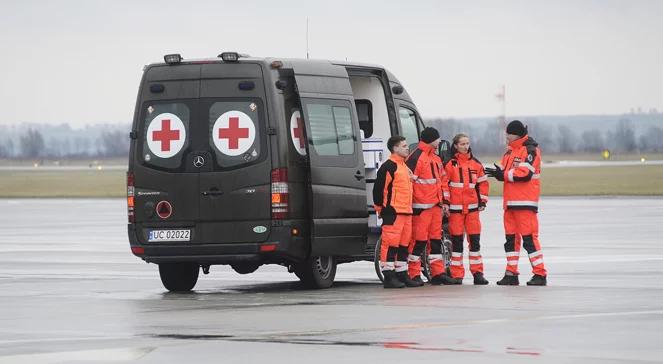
(425, 264)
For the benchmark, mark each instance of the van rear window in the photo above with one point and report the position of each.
(234, 131)
(166, 128)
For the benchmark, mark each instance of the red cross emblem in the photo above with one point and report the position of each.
(165, 135)
(299, 132)
(233, 132)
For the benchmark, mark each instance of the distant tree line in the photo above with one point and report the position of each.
(558, 138)
(32, 144)
(487, 138)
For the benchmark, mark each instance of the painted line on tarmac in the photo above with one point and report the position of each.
(462, 323)
(118, 354)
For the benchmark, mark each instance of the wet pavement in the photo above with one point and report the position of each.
(71, 292)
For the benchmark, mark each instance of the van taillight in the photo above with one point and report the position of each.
(280, 193)
(130, 197)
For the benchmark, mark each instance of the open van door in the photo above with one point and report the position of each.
(337, 195)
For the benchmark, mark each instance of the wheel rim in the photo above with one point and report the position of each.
(324, 266)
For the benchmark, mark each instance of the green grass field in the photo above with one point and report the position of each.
(594, 181)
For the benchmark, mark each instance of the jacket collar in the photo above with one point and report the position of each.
(518, 142)
(425, 147)
(463, 156)
(396, 158)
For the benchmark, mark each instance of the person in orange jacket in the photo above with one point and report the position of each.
(427, 198)
(468, 195)
(392, 198)
(520, 171)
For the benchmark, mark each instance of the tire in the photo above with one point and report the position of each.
(316, 272)
(376, 259)
(446, 254)
(179, 277)
(245, 268)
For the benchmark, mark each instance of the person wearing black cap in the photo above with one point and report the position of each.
(427, 202)
(520, 171)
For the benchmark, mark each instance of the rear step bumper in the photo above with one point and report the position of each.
(287, 248)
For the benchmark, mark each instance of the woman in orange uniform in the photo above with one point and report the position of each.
(468, 195)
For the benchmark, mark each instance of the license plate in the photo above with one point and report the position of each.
(169, 235)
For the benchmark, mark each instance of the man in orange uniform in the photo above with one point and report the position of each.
(427, 208)
(468, 190)
(392, 198)
(520, 171)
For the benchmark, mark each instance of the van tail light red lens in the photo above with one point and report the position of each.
(280, 195)
(130, 198)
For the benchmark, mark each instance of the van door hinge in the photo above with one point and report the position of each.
(271, 131)
(133, 134)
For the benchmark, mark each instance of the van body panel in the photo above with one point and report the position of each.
(337, 194)
(226, 203)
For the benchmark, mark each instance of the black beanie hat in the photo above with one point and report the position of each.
(428, 135)
(516, 127)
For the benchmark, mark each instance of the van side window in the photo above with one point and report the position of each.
(331, 129)
(408, 125)
(365, 116)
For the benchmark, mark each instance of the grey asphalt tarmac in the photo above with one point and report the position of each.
(71, 292)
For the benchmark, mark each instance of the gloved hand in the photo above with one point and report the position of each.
(496, 172)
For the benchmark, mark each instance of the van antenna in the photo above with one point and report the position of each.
(307, 56)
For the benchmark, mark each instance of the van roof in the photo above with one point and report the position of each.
(290, 62)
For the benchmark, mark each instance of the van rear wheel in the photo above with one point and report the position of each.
(245, 268)
(179, 277)
(316, 272)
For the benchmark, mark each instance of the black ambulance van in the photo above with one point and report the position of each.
(250, 161)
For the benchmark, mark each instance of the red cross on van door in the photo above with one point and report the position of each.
(234, 133)
(297, 132)
(166, 135)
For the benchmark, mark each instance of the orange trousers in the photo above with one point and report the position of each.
(470, 225)
(427, 234)
(522, 226)
(396, 234)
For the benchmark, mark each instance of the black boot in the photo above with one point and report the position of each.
(537, 280)
(405, 278)
(419, 281)
(390, 280)
(479, 279)
(508, 280)
(444, 279)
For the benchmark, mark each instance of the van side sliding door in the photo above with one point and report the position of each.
(339, 218)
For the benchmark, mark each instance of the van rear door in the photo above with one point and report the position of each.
(339, 218)
(235, 175)
(165, 122)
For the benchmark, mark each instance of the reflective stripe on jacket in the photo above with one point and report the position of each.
(392, 191)
(522, 169)
(427, 186)
(468, 183)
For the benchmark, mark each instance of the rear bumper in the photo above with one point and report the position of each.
(286, 248)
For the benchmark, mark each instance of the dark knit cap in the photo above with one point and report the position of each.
(429, 135)
(516, 127)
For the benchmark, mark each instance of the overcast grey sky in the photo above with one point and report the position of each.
(81, 61)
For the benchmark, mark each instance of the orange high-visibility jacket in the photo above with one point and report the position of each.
(392, 191)
(522, 169)
(427, 186)
(468, 183)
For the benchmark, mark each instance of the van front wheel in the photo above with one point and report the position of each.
(316, 272)
(179, 277)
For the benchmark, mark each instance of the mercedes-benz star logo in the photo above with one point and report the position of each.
(198, 161)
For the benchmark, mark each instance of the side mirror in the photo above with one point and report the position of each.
(444, 150)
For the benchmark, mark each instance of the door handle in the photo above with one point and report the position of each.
(359, 176)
